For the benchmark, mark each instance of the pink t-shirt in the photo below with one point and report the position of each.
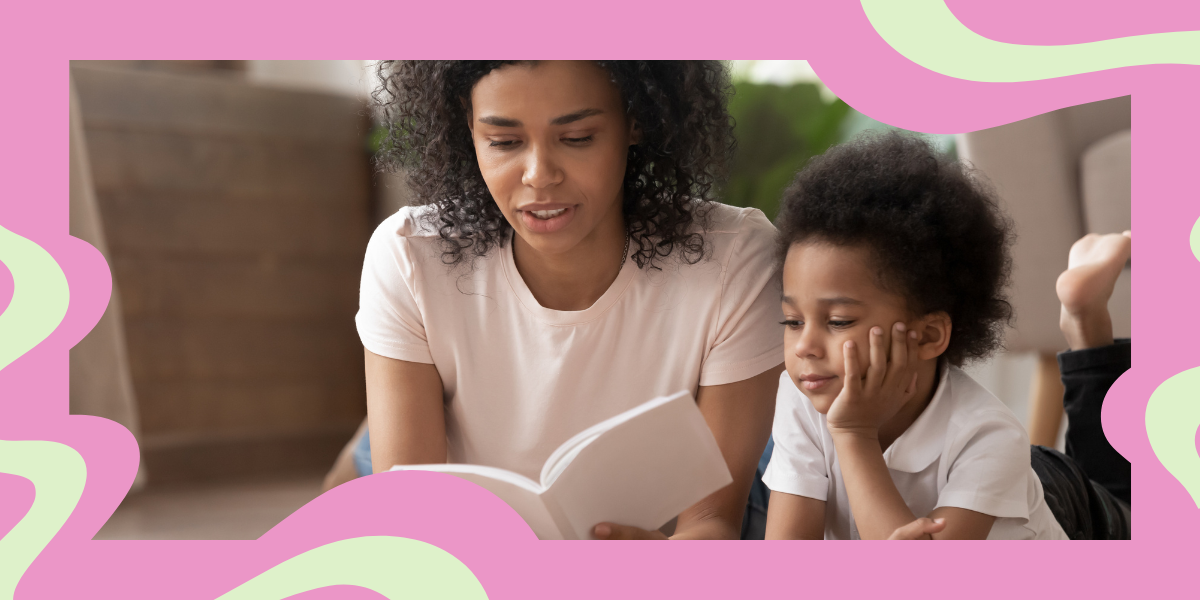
(520, 379)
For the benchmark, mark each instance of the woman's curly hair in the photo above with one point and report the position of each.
(934, 228)
(671, 174)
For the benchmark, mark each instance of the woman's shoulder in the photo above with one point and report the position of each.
(735, 220)
(409, 222)
(740, 237)
(408, 236)
(407, 229)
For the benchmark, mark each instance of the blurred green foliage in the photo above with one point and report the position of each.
(778, 128)
(375, 138)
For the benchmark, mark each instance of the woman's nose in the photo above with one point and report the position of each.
(541, 170)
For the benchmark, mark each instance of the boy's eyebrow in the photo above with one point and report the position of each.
(563, 120)
(840, 300)
(834, 300)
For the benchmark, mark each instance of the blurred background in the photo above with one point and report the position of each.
(234, 199)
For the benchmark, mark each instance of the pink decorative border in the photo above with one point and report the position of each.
(39, 38)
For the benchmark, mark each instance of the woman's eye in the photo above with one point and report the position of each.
(502, 143)
(792, 324)
(840, 324)
(578, 140)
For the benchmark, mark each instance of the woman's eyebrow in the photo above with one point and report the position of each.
(499, 121)
(563, 120)
(575, 116)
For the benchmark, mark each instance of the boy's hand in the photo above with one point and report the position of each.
(920, 529)
(867, 402)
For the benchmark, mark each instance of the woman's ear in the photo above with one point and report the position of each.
(934, 331)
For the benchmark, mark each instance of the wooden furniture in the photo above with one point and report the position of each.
(236, 219)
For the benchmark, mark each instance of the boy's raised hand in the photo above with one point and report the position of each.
(868, 400)
(920, 529)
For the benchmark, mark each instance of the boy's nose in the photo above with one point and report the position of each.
(809, 345)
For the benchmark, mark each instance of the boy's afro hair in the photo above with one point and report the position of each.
(934, 228)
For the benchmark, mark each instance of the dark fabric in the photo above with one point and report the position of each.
(1084, 509)
(1087, 375)
(1087, 489)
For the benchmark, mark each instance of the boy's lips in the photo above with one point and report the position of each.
(814, 382)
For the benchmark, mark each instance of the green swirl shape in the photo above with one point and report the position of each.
(927, 33)
(1196, 239)
(58, 473)
(395, 567)
(39, 300)
(1173, 415)
(392, 566)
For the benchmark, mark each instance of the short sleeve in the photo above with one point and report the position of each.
(989, 469)
(389, 318)
(749, 339)
(797, 464)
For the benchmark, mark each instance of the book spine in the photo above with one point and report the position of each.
(559, 515)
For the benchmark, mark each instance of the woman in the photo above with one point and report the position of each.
(566, 264)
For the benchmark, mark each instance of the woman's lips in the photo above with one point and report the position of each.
(813, 383)
(539, 225)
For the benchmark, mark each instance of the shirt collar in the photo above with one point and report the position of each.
(922, 442)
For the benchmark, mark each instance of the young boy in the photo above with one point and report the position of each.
(895, 267)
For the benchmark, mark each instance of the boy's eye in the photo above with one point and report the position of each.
(792, 324)
(840, 324)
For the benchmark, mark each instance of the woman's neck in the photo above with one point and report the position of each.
(576, 279)
(927, 382)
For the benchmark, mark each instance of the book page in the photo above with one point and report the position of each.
(643, 471)
(520, 493)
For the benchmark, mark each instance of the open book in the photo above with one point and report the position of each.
(642, 468)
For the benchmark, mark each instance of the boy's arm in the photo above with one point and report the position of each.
(876, 504)
(878, 508)
(962, 524)
(854, 420)
(792, 517)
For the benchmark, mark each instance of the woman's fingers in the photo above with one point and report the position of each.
(612, 531)
(920, 529)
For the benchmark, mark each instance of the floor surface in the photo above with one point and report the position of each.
(241, 511)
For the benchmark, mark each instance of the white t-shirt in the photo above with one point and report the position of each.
(966, 449)
(520, 379)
